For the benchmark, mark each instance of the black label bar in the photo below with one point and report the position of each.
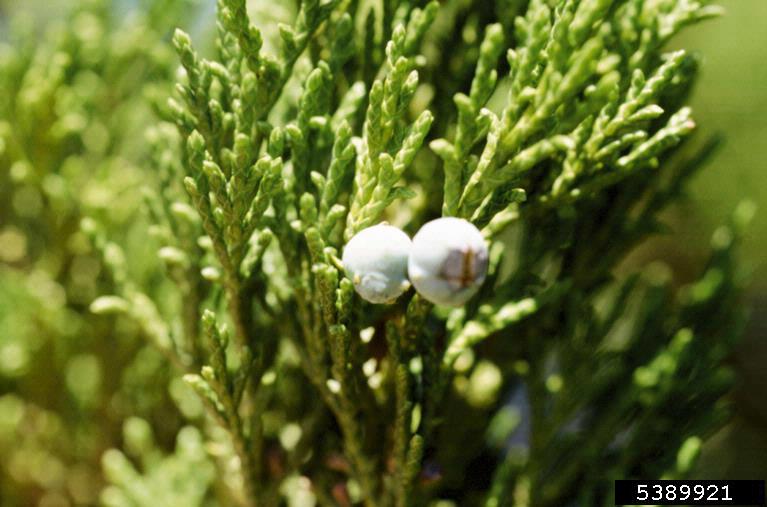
(658, 492)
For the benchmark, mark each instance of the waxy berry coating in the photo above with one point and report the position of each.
(448, 261)
(375, 259)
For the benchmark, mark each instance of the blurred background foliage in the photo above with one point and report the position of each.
(730, 101)
(76, 89)
(76, 83)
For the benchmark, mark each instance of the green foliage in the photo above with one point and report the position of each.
(562, 374)
(180, 479)
(73, 109)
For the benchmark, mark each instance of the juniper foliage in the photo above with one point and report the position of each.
(73, 109)
(556, 126)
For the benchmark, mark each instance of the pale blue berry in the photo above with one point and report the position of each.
(375, 259)
(448, 261)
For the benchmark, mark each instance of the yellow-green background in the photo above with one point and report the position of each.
(731, 98)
